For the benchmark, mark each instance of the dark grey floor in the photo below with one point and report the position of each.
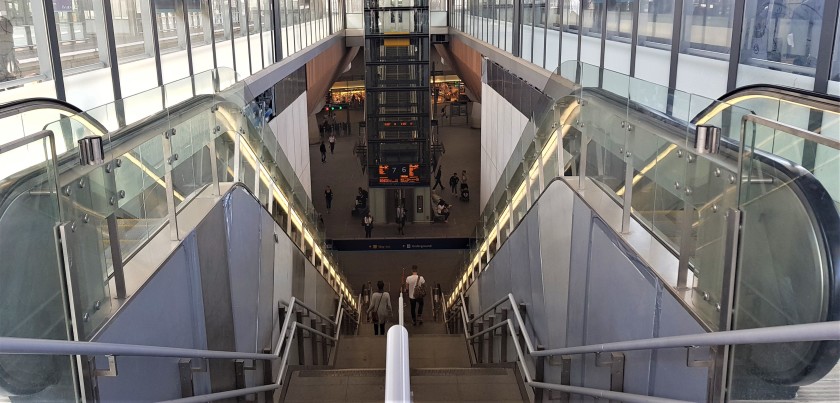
(342, 172)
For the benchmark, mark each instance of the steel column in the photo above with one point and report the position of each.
(827, 36)
(735, 44)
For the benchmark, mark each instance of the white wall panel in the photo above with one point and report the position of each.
(652, 65)
(502, 125)
(701, 75)
(292, 130)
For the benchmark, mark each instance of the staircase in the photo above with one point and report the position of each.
(440, 371)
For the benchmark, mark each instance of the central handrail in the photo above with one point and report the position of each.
(397, 368)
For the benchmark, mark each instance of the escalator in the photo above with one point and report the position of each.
(790, 236)
(32, 303)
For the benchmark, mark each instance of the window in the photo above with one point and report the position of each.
(708, 24)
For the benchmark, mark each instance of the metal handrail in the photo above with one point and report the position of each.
(764, 335)
(529, 379)
(486, 311)
(793, 130)
(776, 334)
(15, 345)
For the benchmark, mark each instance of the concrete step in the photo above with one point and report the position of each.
(429, 384)
(424, 350)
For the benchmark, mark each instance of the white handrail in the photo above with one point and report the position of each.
(397, 372)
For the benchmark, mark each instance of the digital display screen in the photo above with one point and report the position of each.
(399, 174)
(401, 123)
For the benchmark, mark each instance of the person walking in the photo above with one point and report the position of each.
(379, 309)
(323, 149)
(416, 286)
(367, 221)
(332, 143)
(437, 180)
(401, 220)
(453, 182)
(463, 178)
(328, 195)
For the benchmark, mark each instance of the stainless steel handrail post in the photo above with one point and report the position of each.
(169, 161)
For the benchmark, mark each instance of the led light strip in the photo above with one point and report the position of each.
(265, 178)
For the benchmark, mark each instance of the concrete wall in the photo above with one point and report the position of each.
(582, 285)
(219, 290)
(501, 127)
(292, 130)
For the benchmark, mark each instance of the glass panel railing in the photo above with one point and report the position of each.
(32, 303)
(680, 195)
(149, 173)
(634, 140)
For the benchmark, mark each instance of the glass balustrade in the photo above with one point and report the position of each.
(617, 133)
(635, 141)
(151, 171)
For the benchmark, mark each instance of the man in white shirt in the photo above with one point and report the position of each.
(411, 283)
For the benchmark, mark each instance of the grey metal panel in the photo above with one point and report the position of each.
(537, 308)
(621, 303)
(298, 273)
(160, 315)
(218, 315)
(309, 296)
(579, 262)
(555, 242)
(671, 377)
(266, 303)
(520, 278)
(282, 266)
(502, 263)
(243, 223)
(578, 280)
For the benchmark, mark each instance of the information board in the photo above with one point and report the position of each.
(399, 174)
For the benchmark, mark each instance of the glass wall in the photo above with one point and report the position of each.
(154, 42)
(708, 25)
(782, 35)
(779, 38)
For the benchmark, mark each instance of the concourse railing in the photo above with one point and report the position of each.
(292, 335)
(531, 358)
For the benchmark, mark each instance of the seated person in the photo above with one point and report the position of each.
(442, 209)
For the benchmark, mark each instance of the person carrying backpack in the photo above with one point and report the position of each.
(416, 285)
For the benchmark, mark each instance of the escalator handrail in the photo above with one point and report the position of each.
(825, 218)
(137, 131)
(19, 106)
(810, 99)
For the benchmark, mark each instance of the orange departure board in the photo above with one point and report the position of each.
(399, 174)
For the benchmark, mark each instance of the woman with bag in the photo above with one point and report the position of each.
(379, 309)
